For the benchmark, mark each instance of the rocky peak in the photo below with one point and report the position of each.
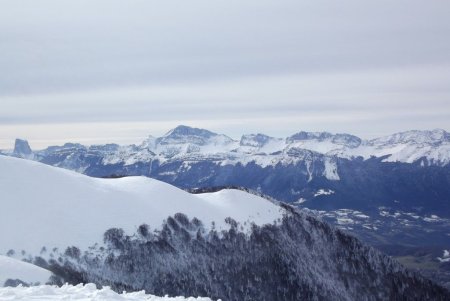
(347, 140)
(183, 130)
(187, 135)
(339, 139)
(320, 136)
(254, 140)
(22, 149)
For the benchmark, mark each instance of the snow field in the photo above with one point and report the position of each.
(45, 206)
(15, 269)
(80, 292)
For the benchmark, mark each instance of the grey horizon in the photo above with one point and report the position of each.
(97, 71)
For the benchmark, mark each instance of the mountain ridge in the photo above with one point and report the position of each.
(261, 251)
(430, 147)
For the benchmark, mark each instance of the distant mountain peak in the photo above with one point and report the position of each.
(149, 142)
(302, 135)
(255, 140)
(22, 149)
(339, 139)
(183, 130)
(435, 136)
(186, 135)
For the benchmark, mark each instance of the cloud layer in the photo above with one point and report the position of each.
(97, 71)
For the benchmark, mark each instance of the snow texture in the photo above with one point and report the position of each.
(331, 170)
(445, 257)
(15, 269)
(64, 208)
(299, 258)
(323, 192)
(80, 292)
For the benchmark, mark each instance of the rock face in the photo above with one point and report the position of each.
(338, 139)
(22, 149)
(255, 140)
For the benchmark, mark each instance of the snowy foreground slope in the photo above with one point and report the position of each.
(135, 234)
(64, 208)
(15, 269)
(79, 292)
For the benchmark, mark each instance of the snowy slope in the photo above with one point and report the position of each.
(15, 269)
(411, 146)
(46, 206)
(88, 292)
(408, 147)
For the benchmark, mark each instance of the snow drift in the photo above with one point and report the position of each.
(80, 292)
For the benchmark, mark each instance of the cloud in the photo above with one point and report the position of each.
(366, 68)
(366, 103)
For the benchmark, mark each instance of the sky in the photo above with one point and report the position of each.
(98, 71)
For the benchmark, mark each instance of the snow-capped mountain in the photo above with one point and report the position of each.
(137, 233)
(426, 147)
(433, 147)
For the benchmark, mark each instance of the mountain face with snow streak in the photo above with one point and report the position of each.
(137, 233)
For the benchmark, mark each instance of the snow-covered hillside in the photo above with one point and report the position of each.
(295, 257)
(44, 206)
(80, 292)
(15, 269)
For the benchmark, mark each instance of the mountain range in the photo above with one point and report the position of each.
(426, 148)
(392, 192)
(396, 170)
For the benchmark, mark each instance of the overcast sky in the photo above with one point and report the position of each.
(117, 71)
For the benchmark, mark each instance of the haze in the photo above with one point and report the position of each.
(117, 71)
